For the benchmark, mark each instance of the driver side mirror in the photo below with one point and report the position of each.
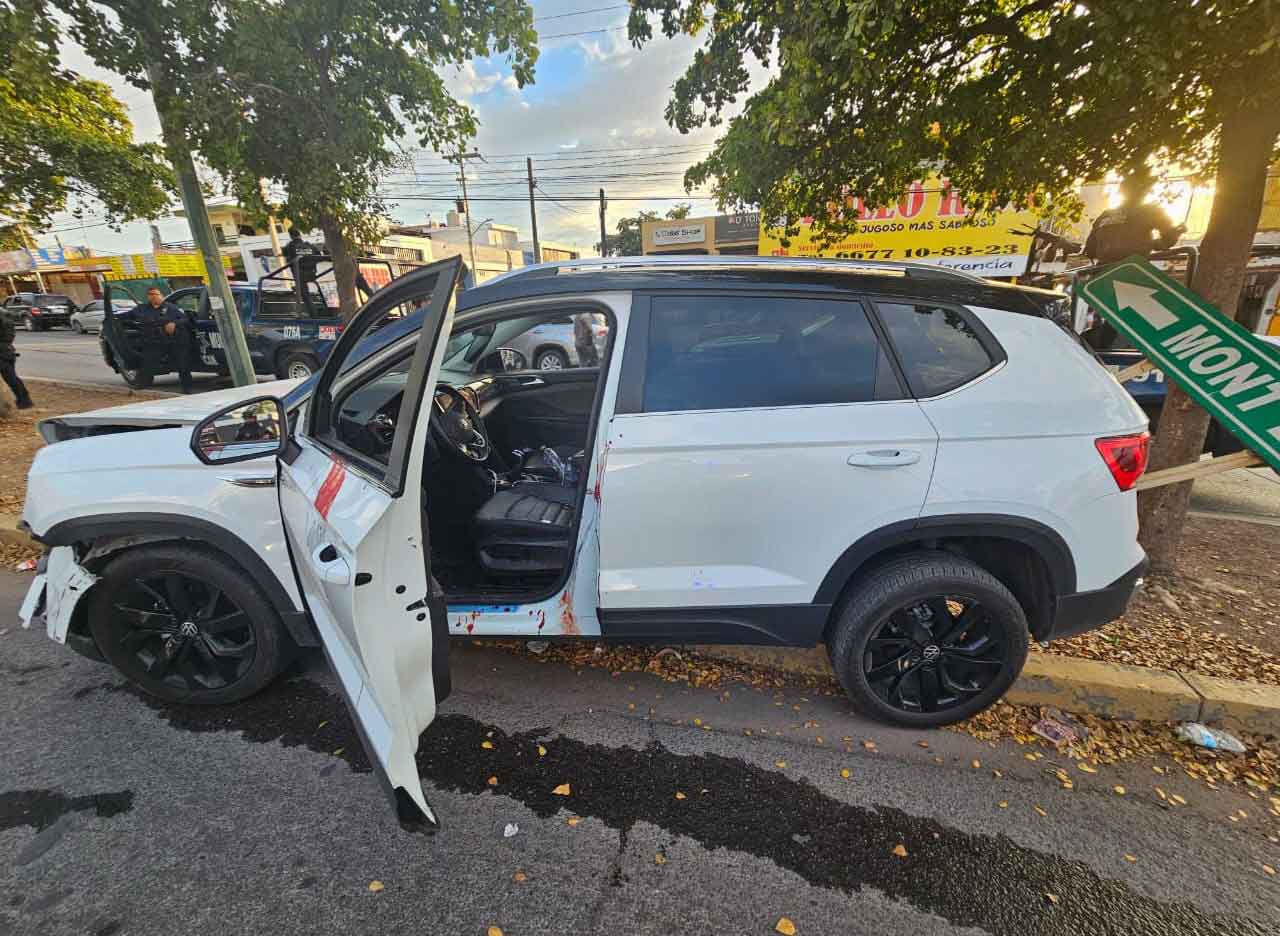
(250, 429)
(502, 360)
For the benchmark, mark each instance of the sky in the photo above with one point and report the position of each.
(592, 118)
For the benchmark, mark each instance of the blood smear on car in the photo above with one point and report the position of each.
(330, 487)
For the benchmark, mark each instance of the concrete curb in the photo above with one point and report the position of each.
(9, 532)
(1110, 690)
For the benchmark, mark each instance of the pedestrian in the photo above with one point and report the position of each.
(9, 360)
(584, 340)
(166, 336)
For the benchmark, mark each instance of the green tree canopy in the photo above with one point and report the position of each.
(62, 135)
(628, 242)
(1012, 100)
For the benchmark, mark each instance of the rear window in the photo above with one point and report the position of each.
(737, 352)
(938, 347)
(52, 299)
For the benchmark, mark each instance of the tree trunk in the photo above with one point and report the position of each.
(344, 266)
(1245, 148)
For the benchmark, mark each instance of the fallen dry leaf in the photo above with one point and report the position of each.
(1270, 870)
(1129, 858)
(1003, 804)
(781, 765)
(1039, 810)
(376, 886)
(493, 931)
(519, 877)
(1178, 799)
(542, 752)
(679, 795)
(487, 745)
(869, 745)
(923, 744)
(1052, 898)
(573, 820)
(844, 773)
(1118, 789)
(659, 859)
(975, 764)
(900, 851)
(561, 790)
(492, 781)
(785, 927)
(1087, 768)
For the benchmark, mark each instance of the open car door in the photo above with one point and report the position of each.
(351, 498)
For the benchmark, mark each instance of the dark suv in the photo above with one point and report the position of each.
(286, 337)
(40, 311)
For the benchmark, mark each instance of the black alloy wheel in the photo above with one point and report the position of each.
(927, 639)
(934, 655)
(183, 631)
(186, 624)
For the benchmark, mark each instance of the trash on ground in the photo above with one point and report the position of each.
(537, 646)
(26, 565)
(1210, 738)
(510, 829)
(1058, 728)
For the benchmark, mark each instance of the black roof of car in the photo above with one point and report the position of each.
(782, 274)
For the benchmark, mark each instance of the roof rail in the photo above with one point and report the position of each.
(720, 263)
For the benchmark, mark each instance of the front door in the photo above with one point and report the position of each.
(351, 497)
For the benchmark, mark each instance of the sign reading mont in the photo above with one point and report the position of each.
(1232, 373)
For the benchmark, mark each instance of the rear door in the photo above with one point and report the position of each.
(351, 497)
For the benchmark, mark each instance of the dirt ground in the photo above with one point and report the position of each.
(1220, 615)
(19, 438)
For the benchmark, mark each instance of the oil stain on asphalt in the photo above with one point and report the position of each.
(42, 808)
(968, 879)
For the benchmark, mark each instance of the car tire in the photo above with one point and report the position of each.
(139, 378)
(225, 645)
(551, 359)
(883, 647)
(78, 327)
(298, 365)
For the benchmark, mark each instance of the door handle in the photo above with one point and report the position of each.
(884, 458)
(330, 566)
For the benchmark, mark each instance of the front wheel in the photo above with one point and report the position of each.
(551, 359)
(185, 625)
(928, 640)
(298, 365)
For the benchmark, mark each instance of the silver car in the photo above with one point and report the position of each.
(88, 318)
(550, 345)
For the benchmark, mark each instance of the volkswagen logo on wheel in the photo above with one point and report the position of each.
(931, 653)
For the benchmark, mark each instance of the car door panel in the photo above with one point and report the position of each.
(551, 408)
(358, 541)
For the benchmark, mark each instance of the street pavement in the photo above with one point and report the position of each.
(123, 815)
(63, 355)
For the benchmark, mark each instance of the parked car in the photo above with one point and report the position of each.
(913, 466)
(40, 311)
(286, 338)
(88, 318)
(551, 346)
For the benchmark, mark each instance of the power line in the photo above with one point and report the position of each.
(585, 32)
(620, 6)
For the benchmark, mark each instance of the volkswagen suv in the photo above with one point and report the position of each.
(913, 466)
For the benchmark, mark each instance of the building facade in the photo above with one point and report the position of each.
(716, 234)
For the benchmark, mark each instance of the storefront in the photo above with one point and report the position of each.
(717, 234)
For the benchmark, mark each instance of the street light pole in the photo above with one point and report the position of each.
(462, 175)
(533, 212)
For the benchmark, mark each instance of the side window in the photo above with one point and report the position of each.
(188, 301)
(736, 352)
(278, 304)
(244, 303)
(937, 346)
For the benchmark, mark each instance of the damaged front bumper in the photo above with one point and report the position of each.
(60, 585)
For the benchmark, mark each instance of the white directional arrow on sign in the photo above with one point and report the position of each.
(1142, 300)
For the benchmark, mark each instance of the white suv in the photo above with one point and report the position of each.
(919, 468)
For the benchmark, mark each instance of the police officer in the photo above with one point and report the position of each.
(165, 333)
(1136, 227)
(9, 359)
(297, 247)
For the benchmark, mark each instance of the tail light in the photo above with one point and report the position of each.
(1126, 457)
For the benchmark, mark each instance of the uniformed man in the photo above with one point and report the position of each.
(165, 334)
(9, 359)
(297, 247)
(1136, 227)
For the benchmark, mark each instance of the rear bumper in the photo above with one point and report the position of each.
(1085, 611)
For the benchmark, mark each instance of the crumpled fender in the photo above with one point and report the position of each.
(59, 589)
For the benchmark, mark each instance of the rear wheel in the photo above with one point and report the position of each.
(927, 640)
(185, 625)
(551, 359)
(298, 365)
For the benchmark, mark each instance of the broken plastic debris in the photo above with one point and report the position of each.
(1058, 728)
(1210, 738)
(510, 829)
(537, 646)
(26, 565)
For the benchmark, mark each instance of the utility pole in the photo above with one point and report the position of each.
(466, 205)
(604, 238)
(221, 301)
(533, 212)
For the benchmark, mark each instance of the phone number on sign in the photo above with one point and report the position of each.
(922, 253)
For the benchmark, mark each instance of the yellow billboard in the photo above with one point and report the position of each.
(145, 266)
(929, 224)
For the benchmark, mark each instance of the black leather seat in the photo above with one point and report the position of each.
(525, 529)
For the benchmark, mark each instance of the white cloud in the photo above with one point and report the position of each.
(524, 105)
(510, 84)
(614, 50)
(614, 132)
(645, 133)
(468, 81)
(569, 146)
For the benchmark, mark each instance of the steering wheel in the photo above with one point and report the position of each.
(461, 428)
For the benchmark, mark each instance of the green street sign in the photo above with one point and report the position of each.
(1233, 374)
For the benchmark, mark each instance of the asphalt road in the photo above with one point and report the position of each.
(119, 814)
(63, 355)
